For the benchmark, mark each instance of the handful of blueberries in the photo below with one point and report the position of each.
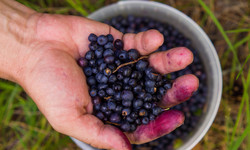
(123, 87)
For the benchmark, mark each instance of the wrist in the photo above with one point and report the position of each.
(16, 27)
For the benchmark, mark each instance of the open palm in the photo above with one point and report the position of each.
(58, 86)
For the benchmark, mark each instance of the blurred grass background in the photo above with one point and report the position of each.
(226, 22)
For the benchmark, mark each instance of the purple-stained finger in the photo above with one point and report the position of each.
(163, 124)
(171, 60)
(182, 89)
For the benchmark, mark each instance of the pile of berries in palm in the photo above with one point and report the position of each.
(191, 108)
(123, 87)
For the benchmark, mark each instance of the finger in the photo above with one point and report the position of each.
(92, 131)
(145, 42)
(163, 124)
(171, 60)
(182, 89)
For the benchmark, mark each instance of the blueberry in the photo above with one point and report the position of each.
(141, 95)
(126, 103)
(102, 40)
(148, 97)
(127, 95)
(167, 86)
(99, 52)
(145, 120)
(109, 45)
(109, 59)
(112, 67)
(152, 117)
(134, 115)
(108, 112)
(107, 72)
(126, 80)
(115, 117)
(162, 91)
(92, 37)
(101, 93)
(93, 92)
(123, 55)
(141, 65)
(93, 46)
(150, 90)
(108, 52)
(104, 107)
(127, 71)
(102, 67)
(110, 91)
(96, 100)
(92, 63)
(149, 83)
(143, 112)
(125, 127)
(112, 78)
(91, 81)
(137, 88)
(97, 107)
(132, 82)
(99, 62)
(102, 86)
(118, 44)
(126, 111)
(137, 104)
(117, 96)
(119, 76)
(82, 62)
(90, 55)
(156, 111)
(95, 70)
(100, 115)
(118, 108)
(133, 54)
(138, 121)
(110, 38)
(129, 119)
(147, 105)
(117, 87)
(118, 62)
(111, 105)
(87, 71)
(127, 87)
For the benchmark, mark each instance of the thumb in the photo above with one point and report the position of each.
(92, 131)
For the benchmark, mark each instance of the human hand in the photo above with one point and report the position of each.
(50, 75)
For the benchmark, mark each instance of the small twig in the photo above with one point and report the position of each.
(112, 123)
(128, 63)
(107, 98)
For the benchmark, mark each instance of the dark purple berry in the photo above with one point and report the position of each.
(92, 37)
(108, 52)
(87, 71)
(118, 44)
(145, 120)
(110, 38)
(102, 40)
(141, 65)
(93, 92)
(115, 118)
(133, 54)
(125, 127)
(110, 91)
(90, 55)
(100, 115)
(126, 103)
(127, 95)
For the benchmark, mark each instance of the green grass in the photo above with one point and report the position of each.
(236, 137)
(24, 127)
